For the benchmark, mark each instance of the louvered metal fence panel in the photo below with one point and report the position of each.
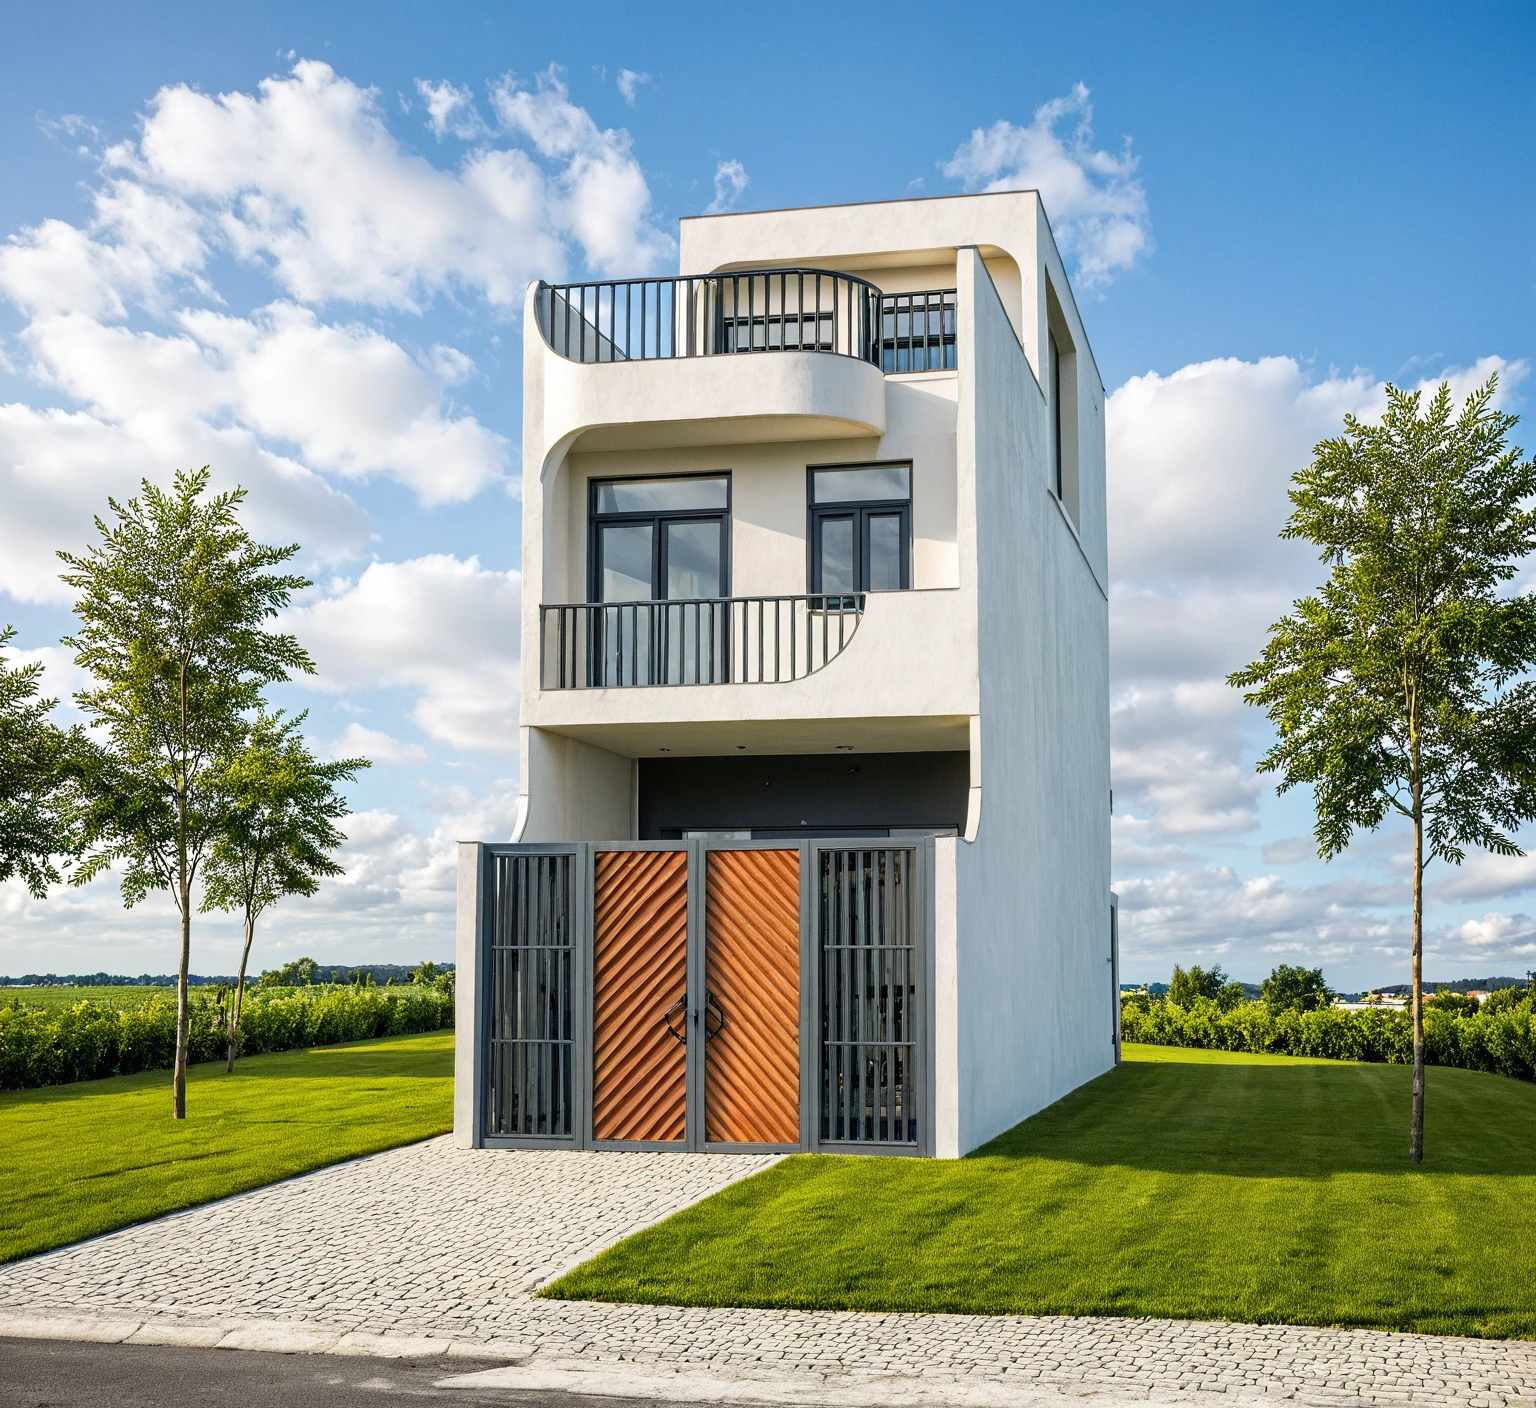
(531, 1000)
(868, 952)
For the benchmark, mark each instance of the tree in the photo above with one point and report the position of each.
(1399, 688)
(172, 605)
(279, 833)
(1185, 987)
(1289, 989)
(298, 974)
(35, 760)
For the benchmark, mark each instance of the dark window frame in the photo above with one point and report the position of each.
(860, 511)
(939, 348)
(656, 518)
(1056, 447)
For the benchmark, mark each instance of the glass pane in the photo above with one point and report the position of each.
(693, 563)
(624, 560)
(660, 495)
(837, 555)
(852, 486)
(885, 547)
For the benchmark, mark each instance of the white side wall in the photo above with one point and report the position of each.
(1032, 890)
(573, 791)
(467, 1034)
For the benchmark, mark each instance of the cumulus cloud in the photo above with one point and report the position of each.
(439, 627)
(1096, 203)
(731, 180)
(451, 111)
(358, 741)
(600, 194)
(630, 83)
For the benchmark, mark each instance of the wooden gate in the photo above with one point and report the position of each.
(639, 981)
(751, 1013)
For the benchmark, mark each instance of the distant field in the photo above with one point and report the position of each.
(86, 1158)
(67, 997)
(1195, 1184)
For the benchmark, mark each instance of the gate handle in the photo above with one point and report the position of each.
(681, 1005)
(715, 1010)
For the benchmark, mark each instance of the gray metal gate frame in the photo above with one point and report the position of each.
(583, 873)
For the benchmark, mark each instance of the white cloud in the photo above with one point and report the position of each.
(451, 109)
(731, 180)
(305, 176)
(630, 83)
(442, 628)
(601, 194)
(58, 467)
(1096, 204)
(356, 741)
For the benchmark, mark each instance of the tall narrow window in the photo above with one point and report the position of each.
(659, 560)
(861, 528)
(1056, 411)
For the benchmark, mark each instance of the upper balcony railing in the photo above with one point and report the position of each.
(719, 640)
(765, 310)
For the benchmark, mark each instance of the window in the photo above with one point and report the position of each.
(659, 559)
(917, 331)
(1055, 369)
(860, 528)
(660, 539)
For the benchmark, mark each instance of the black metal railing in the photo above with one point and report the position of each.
(718, 640)
(762, 310)
(917, 331)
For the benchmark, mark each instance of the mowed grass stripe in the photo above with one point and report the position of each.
(87, 1158)
(1188, 1184)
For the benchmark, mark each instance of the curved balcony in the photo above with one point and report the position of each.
(709, 315)
(719, 640)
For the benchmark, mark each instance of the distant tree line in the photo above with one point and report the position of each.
(320, 973)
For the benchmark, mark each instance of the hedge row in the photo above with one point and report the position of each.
(1501, 1042)
(94, 1039)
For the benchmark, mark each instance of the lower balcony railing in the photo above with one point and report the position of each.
(718, 640)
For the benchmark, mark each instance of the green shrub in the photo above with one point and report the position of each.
(1500, 1038)
(90, 1040)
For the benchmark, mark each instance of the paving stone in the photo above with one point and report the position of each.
(442, 1248)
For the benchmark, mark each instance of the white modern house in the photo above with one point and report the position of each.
(812, 849)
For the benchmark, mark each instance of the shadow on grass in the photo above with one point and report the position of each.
(1301, 1120)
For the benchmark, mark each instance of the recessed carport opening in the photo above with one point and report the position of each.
(803, 796)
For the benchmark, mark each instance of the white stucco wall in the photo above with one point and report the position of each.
(1032, 889)
(467, 1032)
(570, 790)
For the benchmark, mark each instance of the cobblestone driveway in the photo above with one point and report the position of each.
(435, 1243)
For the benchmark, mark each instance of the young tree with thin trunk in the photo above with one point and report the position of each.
(280, 832)
(173, 604)
(35, 776)
(1401, 687)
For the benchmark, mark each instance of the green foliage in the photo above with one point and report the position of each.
(1295, 989)
(299, 973)
(172, 603)
(1401, 686)
(1501, 1042)
(1186, 987)
(281, 825)
(85, 1159)
(1457, 1002)
(91, 1040)
(35, 771)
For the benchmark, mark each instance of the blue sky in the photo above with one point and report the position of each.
(314, 283)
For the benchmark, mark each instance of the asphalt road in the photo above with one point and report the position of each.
(56, 1374)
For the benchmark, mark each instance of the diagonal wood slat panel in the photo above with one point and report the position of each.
(640, 968)
(752, 967)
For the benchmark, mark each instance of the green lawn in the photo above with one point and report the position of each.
(1190, 1184)
(53, 998)
(83, 1159)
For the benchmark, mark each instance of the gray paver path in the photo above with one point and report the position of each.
(432, 1249)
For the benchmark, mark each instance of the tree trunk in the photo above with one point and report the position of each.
(234, 1026)
(1416, 1128)
(179, 1081)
